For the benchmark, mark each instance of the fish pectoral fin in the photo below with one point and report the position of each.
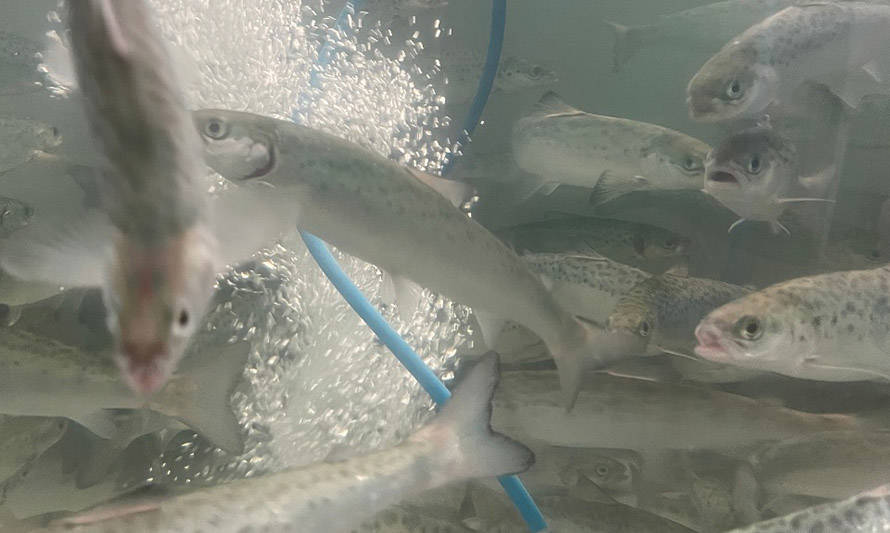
(100, 423)
(611, 186)
(679, 354)
(874, 71)
(74, 256)
(528, 187)
(818, 183)
(490, 326)
(866, 373)
(587, 490)
(801, 200)
(735, 224)
(776, 227)
(548, 188)
(456, 192)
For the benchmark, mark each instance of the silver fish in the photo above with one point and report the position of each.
(14, 215)
(648, 248)
(414, 519)
(832, 465)
(613, 412)
(457, 445)
(866, 512)
(388, 215)
(661, 312)
(830, 327)
(41, 377)
(462, 69)
(152, 251)
(756, 174)
(702, 28)
(562, 145)
(22, 140)
(839, 44)
(24, 438)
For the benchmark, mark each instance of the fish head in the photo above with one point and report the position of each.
(657, 243)
(516, 73)
(731, 85)
(634, 319)
(236, 144)
(749, 172)
(753, 332)
(677, 160)
(156, 299)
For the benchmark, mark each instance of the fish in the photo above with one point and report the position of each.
(830, 327)
(414, 519)
(151, 248)
(462, 70)
(43, 377)
(588, 286)
(832, 465)
(756, 174)
(14, 215)
(838, 44)
(376, 210)
(617, 412)
(702, 28)
(562, 145)
(645, 247)
(457, 445)
(662, 312)
(21, 140)
(867, 511)
(24, 438)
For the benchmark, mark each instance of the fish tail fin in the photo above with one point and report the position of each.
(470, 449)
(199, 397)
(627, 44)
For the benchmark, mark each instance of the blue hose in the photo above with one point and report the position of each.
(354, 297)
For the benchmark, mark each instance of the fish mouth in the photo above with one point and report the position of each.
(145, 366)
(270, 165)
(709, 345)
(723, 177)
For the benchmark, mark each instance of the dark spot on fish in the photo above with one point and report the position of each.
(817, 321)
(850, 307)
(834, 320)
(850, 328)
(802, 338)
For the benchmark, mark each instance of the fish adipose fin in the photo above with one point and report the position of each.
(627, 43)
(74, 256)
(553, 104)
(611, 186)
(469, 448)
(199, 395)
(454, 191)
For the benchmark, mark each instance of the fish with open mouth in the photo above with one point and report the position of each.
(829, 327)
(755, 173)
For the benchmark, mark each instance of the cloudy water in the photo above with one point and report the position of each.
(672, 226)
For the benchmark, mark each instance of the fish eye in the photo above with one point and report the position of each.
(691, 163)
(183, 319)
(55, 131)
(671, 244)
(643, 329)
(601, 470)
(754, 164)
(537, 72)
(749, 327)
(734, 90)
(215, 128)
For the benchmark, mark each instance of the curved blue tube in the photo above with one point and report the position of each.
(486, 80)
(354, 297)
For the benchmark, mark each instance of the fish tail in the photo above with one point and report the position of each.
(202, 402)
(627, 43)
(469, 448)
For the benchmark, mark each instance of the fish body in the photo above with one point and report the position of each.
(645, 247)
(615, 412)
(835, 43)
(865, 512)
(456, 446)
(515, 74)
(833, 465)
(616, 472)
(831, 327)
(21, 140)
(24, 438)
(701, 28)
(414, 519)
(380, 212)
(14, 215)
(661, 312)
(562, 145)
(586, 286)
(42, 377)
(152, 251)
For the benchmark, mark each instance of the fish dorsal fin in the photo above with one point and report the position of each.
(456, 192)
(553, 104)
